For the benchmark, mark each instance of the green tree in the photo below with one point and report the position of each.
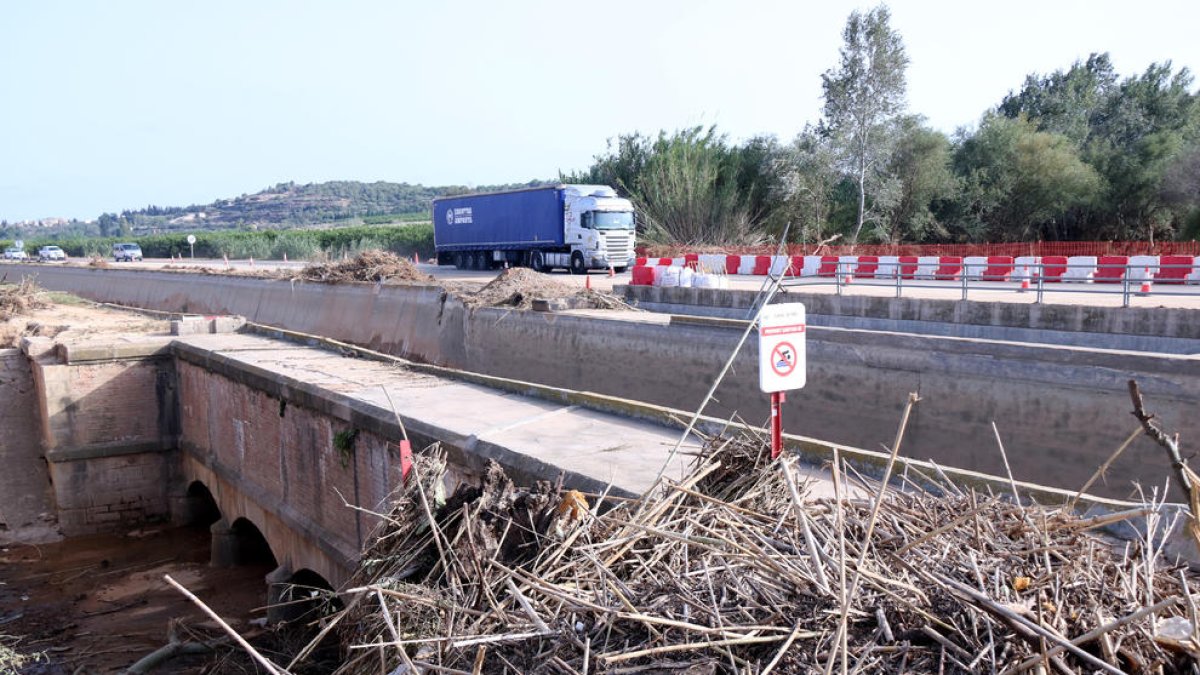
(863, 96)
(1065, 102)
(1017, 182)
(692, 186)
(688, 191)
(108, 224)
(807, 177)
(1142, 126)
(1130, 131)
(922, 179)
(1181, 190)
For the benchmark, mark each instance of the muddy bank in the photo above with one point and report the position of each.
(97, 604)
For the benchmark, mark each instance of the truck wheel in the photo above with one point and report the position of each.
(577, 264)
(537, 263)
(458, 261)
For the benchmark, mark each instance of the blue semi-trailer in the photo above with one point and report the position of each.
(577, 227)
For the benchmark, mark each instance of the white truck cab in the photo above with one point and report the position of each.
(599, 225)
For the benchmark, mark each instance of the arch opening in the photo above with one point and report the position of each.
(199, 507)
(249, 546)
(307, 596)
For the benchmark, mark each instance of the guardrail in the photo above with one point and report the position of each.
(1126, 280)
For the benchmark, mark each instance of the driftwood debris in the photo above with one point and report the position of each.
(743, 568)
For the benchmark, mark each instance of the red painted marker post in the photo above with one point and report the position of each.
(781, 360)
(777, 399)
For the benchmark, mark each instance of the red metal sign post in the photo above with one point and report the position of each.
(777, 399)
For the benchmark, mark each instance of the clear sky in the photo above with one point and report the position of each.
(113, 105)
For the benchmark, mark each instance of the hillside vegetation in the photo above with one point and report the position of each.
(283, 206)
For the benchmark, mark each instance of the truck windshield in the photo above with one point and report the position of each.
(612, 220)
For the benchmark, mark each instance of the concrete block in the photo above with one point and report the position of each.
(227, 324)
(190, 325)
(36, 347)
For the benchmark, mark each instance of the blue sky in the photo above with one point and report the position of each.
(112, 105)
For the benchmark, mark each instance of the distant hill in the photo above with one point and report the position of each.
(292, 205)
(284, 205)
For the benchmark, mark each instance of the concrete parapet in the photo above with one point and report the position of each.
(1152, 322)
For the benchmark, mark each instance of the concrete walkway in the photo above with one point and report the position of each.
(530, 437)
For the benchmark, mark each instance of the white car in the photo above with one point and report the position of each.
(126, 252)
(48, 253)
(14, 253)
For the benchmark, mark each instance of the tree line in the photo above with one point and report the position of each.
(1078, 154)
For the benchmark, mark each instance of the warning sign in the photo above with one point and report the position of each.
(781, 361)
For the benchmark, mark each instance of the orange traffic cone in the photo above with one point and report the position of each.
(611, 272)
(1024, 281)
(416, 258)
(587, 281)
(1145, 290)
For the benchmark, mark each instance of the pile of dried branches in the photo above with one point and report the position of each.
(519, 287)
(741, 568)
(21, 297)
(373, 265)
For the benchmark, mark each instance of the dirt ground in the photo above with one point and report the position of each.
(97, 604)
(70, 318)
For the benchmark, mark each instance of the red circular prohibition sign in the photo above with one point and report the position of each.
(783, 359)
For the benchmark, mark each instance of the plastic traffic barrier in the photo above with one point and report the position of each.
(1025, 268)
(999, 268)
(762, 265)
(1080, 269)
(973, 266)
(812, 263)
(796, 266)
(889, 267)
(927, 266)
(779, 265)
(732, 263)
(1110, 269)
(909, 264)
(1143, 267)
(642, 276)
(829, 265)
(1054, 267)
(710, 262)
(1175, 269)
(867, 266)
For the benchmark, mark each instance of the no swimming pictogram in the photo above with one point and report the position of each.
(783, 359)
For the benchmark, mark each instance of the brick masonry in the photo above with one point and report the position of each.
(26, 506)
(108, 433)
(279, 465)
